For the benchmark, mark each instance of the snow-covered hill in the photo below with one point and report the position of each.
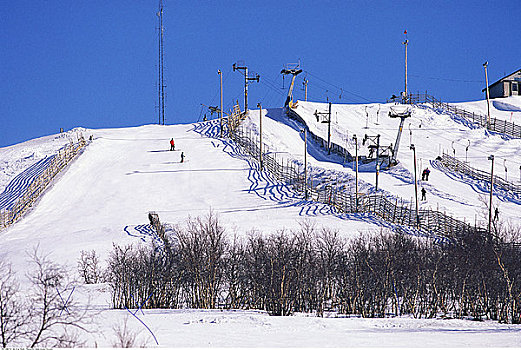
(125, 173)
(105, 195)
(432, 133)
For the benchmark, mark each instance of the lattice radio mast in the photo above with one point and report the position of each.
(161, 85)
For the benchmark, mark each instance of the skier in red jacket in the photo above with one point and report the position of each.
(172, 145)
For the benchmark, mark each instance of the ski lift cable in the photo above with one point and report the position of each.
(272, 83)
(269, 84)
(331, 93)
(447, 79)
(337, 87)
(328, 90)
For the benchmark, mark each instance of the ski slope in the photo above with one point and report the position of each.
(432, 133)
(125, 173)
(104, 197)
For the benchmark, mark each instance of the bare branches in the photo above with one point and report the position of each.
(13, 311)
(48, 316)
(49, 309)
(316, 271)
(89, 268)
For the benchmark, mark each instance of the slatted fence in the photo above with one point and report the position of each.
(497, 125)
(457, 165)
(65, 155)
(393, 210)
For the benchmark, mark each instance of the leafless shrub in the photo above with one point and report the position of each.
(50, 310)
(13, 311)
(127, 337)
(89, 268)
(47, 316)
(315, 270)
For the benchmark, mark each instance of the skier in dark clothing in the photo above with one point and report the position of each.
(424, 197)
(496, 214)
(172, 145)
(425, 174)
(182, 157)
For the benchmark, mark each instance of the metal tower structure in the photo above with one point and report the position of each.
(161, 82)
(295, 70)
(247, 78)
(402, 113)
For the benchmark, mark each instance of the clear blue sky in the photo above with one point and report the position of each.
(93, 63)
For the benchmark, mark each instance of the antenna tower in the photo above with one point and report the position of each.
(161, 84)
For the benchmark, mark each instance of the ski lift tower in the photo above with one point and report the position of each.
(403, 112)
(293, 69)
(247, 77)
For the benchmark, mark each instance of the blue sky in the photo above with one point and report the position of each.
(93, 63)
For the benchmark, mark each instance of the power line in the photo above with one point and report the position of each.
(340, 89)
(447, 79)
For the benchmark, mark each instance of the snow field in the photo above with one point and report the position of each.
(431, 133)
(125, 173)
(251, 328)
(105, 195)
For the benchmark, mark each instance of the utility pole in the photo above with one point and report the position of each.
(161, 84)
(328, 121)
(415, 186)
(221, 109)
(305, 163)
(356, 178)
(377, 159)
(329, 131)
(491, 158)
(485, 65)
(247, 78)
(305, 83)
(406, 43)
(260, 135)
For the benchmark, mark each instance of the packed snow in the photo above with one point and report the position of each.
(104, 197)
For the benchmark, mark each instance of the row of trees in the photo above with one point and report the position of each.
(318, 270)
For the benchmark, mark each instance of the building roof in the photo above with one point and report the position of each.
(506, 76)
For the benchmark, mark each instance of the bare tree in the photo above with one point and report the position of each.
(13, 312)
(53, 312)
(202, 246)
(88, 267)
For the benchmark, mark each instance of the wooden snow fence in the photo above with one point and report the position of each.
(497, 125)
(464, 168)
(35, 189)
(390, 209)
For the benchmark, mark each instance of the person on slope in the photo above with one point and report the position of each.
(424, 197)
(182, 157)
(425, 174)
(172, 144)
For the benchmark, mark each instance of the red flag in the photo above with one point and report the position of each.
(405, 31)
